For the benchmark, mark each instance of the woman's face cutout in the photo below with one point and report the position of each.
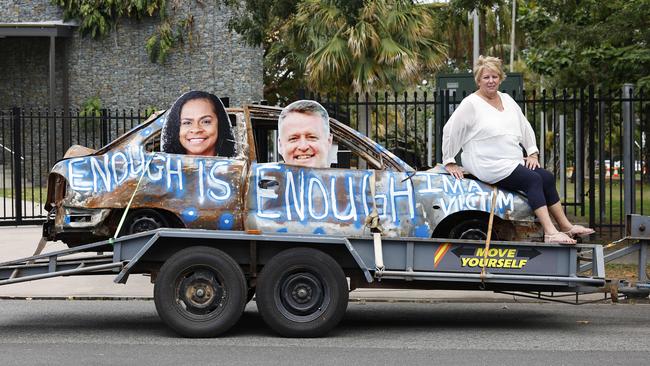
(199, 127)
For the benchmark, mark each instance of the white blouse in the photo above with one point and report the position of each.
(488, 137)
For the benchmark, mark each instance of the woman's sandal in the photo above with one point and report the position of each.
(559, 238)
(579, 230)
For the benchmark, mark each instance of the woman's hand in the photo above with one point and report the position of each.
(532, 162)
(454, 170)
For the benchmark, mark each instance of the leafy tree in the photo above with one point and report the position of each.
(260, 23)
(588, 42)
(339, 45)
(362, 46)
(495, 28)
(98, 18)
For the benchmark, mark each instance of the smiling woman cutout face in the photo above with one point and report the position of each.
(198, 124)
(199, 127)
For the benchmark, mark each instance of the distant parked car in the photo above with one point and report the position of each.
(89, 191)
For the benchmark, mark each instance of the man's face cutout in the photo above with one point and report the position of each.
(303, 141)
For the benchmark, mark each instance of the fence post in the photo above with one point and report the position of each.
(562, 157)
(579, 171)
(439, 105)
(628, 151)
(542, 131)
(429, 141)
(601, 155)
(591, 156)
(18, 154)
(103, 127)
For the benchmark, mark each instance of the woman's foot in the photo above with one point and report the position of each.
(559, 238)
(579, 230)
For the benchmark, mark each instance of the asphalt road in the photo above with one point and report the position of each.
(129, 332)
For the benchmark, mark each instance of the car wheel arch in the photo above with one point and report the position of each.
(173, 221)
(503, 228)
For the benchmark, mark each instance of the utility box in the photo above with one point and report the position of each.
(464, 84)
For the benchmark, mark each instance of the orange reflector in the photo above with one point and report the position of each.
(254, 231)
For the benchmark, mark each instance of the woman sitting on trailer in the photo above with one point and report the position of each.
(489, 127)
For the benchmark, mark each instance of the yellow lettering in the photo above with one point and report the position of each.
(479, 261)
(523, 262)
(480, 251)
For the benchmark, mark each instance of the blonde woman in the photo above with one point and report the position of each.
(489, 127)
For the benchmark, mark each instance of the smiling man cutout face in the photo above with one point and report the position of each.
(304, 137)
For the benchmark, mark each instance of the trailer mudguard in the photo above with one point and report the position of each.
(133, 248)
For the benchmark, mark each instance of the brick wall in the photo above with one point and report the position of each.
(117, 69)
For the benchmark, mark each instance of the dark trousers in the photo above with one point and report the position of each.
(538, 184)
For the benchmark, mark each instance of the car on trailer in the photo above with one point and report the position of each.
(88, 191)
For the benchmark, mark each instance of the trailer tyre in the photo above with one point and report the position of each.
(200, 292)
(302, 292)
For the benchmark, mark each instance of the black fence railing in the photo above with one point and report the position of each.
(592, 140)
(31, 140)
(586, 137)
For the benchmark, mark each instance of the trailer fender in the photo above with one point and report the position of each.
(133, 248)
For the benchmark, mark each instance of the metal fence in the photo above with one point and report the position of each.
(591, 140)
(31, 140)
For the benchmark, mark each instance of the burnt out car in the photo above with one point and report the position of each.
(89, 191)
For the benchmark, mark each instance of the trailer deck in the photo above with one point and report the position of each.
(441, 261)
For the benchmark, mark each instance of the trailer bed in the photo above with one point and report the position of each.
(432, 263)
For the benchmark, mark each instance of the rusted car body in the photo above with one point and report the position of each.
(89, 191)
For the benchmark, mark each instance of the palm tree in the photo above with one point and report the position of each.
(359, 46)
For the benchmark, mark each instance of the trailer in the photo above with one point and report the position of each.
(217, 231)
(204, 278)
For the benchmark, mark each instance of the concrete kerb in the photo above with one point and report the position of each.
(18, 242)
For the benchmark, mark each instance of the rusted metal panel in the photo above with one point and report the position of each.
(290, 199)
(198, 189)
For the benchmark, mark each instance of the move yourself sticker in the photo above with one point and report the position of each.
(499, 257)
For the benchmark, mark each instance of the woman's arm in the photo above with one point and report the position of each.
(455, 132)
(454, 135)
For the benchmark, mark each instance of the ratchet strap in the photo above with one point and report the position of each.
(488, 235)
(372, 222)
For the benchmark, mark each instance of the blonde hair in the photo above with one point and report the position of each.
(490, 63)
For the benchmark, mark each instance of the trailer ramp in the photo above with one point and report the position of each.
(81, 260)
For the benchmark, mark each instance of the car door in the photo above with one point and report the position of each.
(291, 199)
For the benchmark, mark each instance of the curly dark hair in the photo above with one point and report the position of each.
(225, 145)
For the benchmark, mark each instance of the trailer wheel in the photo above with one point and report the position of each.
(302, 292)
(200, 292)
